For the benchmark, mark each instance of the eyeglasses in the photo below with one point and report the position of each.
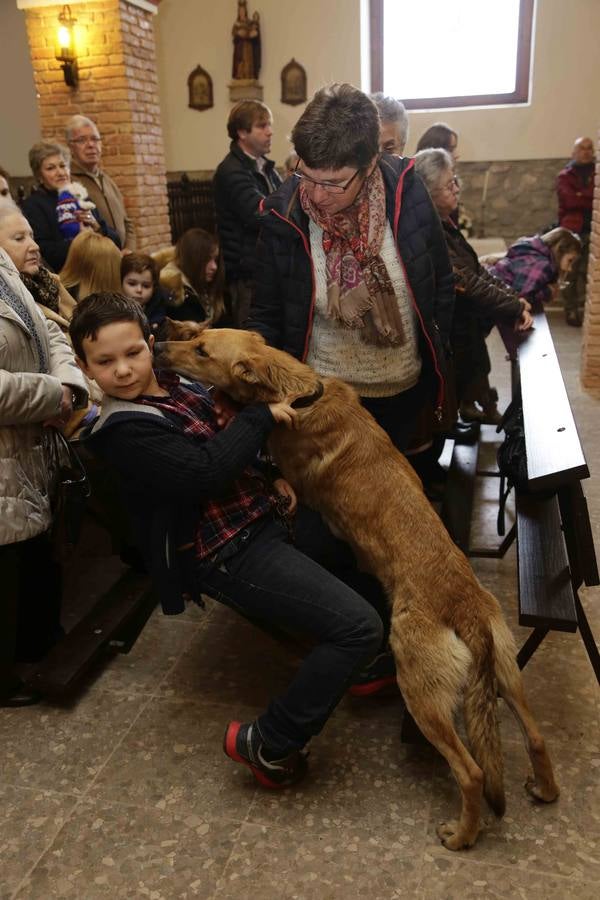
(80, 141)
(328, 186)
(451, 185)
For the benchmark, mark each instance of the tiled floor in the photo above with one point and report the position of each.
(125, 792)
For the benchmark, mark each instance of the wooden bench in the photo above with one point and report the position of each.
(555, 547)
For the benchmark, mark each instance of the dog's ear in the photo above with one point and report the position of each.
(250, 369)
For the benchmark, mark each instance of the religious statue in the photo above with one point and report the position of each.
(246, 45)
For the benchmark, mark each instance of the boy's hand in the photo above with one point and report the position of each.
(284, 488)
(525, 304)
(225, 408)
(283, 414)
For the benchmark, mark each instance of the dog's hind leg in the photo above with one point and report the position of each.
(432, 668)
(542, 785)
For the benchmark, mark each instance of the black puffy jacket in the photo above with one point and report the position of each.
(239, 189)
(285, 284)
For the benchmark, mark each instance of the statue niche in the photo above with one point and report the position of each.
(246, 56)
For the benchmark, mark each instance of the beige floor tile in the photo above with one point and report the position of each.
(349, 864)
(452, 878)
(62, 748)
(172, 759)
(119, 852)
(29, 821)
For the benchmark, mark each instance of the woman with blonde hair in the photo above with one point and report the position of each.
(93, 264)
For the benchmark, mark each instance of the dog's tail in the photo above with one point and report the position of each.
(481, 716)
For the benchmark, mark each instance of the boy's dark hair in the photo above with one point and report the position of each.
(338, 128)
(100, 309)
(139, 262)
(244, 115)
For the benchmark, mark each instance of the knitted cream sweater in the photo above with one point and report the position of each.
(338, 351)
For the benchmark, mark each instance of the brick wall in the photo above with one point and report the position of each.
(118, 88)
(590, 358)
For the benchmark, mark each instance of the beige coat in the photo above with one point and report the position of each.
(27, 398)
(103, 191)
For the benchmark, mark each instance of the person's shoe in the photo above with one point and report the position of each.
(243, 743)
(19, 694)
(470, 413)
(574, 317)
(463, 432)
(491, 415)
(378, 676)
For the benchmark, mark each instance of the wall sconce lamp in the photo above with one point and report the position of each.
(65, 47)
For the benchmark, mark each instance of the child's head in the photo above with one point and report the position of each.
(113, 345)
(93, 264)
(197, 256)
(565, 247)
(139, 277)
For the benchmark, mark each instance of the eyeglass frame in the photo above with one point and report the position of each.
(326, 185)
(452, 185)
(82, 141)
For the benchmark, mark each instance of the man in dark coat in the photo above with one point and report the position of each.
(575, 189)
(242, 180)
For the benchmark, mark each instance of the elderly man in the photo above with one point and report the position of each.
(575, 189)
(393, 124)
(242, 181)
(85, 144)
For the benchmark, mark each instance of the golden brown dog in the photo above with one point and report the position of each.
(450, 641)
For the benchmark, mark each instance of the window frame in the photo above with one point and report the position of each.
(523, 66)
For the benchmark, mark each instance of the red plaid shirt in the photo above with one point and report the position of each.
(247, 498)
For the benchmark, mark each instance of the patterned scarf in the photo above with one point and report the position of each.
(43, 288)
(18, 306)
(359, 291)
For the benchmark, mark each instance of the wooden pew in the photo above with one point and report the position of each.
(555, 546)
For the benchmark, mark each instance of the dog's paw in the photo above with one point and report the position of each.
(450, 836)
(546, 793)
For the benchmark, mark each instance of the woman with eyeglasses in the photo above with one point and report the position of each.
(51, 166)
(353, 275)
(480, 298)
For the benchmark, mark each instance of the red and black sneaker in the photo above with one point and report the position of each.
(243, 743)
(379, 676)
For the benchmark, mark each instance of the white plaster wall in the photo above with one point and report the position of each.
(324, 35)
(20, 119)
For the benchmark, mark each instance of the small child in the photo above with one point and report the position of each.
(536, 268)
(139, 281)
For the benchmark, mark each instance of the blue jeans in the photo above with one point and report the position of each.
(311, 588)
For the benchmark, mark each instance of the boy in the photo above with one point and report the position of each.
(204, 522)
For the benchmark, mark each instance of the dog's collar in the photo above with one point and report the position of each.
(301, 402)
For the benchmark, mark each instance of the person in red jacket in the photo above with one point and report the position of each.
(575, 189)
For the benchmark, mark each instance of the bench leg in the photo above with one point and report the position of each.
(530, 646)
(588, 638)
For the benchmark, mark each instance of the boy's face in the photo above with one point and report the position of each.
(120, 361)
(139, 286)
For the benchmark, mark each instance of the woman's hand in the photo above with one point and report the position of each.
(87, 220)
(283, 414)
(525, 304)
(284, 488)
(525, 322)
(66, 408)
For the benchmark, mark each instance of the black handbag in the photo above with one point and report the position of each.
(70, 493)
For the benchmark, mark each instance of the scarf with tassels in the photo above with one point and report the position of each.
(359, 291)
(43, 288)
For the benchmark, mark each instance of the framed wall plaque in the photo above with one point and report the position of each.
(200, 89)
(293, 83)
